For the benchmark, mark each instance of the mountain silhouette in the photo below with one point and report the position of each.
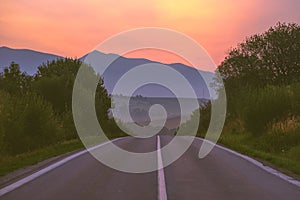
(119, 66)
(29, 60)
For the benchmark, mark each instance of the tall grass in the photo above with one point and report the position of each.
(264, 123)
(259, 108)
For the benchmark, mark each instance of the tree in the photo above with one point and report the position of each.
(35, 111)
(62, 67)
(26, 123)
(13, 81)
(270, 58)
(54, 81)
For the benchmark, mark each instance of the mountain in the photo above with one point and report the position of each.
(28, 60)
(121, 65)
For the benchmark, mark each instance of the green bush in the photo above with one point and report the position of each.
(35, 111)
(261, 107)
(69, 129)
(277, 141)
(4, 99)
(54, 90)
(294, 152)
(295, 100)
(27, 123)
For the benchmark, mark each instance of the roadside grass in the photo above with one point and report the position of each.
(11, 163)
(286, 161)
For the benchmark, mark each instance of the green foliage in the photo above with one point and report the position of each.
(68, 126)
(3, 103)
(205, 115)
(54, 82)
(102, 104)
(278, 141)
(55, 91)
(294, 152)
(295, 99)
(9, 163)
(249, 145)
(262, 77)
(268, 58)
(67, 67)
(259, 108)
(27, 123)
(35, 111)
(13, 81)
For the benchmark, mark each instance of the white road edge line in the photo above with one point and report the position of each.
(35, 175)
(258, 164)
(162, 192)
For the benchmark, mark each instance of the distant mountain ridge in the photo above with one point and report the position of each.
(29, 60)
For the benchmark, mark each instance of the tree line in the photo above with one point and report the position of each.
(35, 111)
(261, 76)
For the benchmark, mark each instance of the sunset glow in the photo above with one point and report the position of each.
(73, 28)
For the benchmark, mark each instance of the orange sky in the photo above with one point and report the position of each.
(73, 28)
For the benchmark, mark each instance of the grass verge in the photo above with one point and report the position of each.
(11, 163)
(281, 161)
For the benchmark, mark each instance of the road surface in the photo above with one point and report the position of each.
(221, 175)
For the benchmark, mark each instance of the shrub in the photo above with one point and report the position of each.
(295, 100)
(261, 107)
(28, 123)
(4, 99)
(294, 152)
(277, 141)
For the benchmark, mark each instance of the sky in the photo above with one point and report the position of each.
(72, 28)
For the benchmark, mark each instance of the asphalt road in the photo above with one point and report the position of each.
(221, 175)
